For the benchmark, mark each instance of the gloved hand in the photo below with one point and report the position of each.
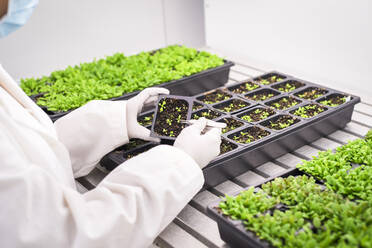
(134, 107)
(203, 148)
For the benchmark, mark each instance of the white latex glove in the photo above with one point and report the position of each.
(203, 148)
(134, 107)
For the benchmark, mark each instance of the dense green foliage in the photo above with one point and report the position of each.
(338, 215)
(116, 75)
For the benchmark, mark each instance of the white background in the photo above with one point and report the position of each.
(327, 41)
(67, 32)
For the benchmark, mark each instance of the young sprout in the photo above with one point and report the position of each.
(246, 118)
(169, 122)
(162, 105)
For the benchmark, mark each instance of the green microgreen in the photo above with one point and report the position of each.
(116, 75)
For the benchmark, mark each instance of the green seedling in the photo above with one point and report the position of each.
(226, 146)
(257, 114)
(214, 97)
(284, 103)
(334, 100)
(231, 124)
(288, 86)
(207, 113)
(244, 88)
(309, 111)
(312, 93)
(232, 105)
(260, 95)
(269, 80)
(281, 122)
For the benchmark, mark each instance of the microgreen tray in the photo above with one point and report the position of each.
(190, 85)
(302, 117)
(323, 202)
(311, 208)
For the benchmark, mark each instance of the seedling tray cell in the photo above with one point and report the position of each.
(310, 110)
(311, 93)
(170, 113)
(256, 114)
(270, 78)
(214, 96)
(231, 122)
(249, 135)
(227, 146)
(197, 105)
(280, 122)
(262, 95)
(288, 85)
(283, 102)
(233, 105)
(207, 113)
(334, 100)
(243, 88)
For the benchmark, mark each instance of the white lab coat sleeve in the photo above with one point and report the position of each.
(129, 208)
(92, 131)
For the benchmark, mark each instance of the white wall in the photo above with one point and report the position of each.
(68, 32)
(328, 41)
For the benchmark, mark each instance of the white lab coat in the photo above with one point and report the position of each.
(40, 206)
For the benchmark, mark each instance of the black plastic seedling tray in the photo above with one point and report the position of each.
(279, 142)
(186, 86)
(182, 99)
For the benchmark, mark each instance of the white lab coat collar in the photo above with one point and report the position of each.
(46, 127)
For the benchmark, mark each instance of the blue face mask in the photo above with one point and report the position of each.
(19, 11)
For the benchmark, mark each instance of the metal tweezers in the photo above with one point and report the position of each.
(209, 123)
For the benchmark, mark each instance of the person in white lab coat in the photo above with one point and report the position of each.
(40, 206)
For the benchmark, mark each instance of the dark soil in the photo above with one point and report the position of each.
(145, 120)
(196, 106)
(169, 114)
(281, 122)
(257, 114)
(269, 79)
(231, 124)
(207, 113)
(243, 88)
(231, 105)
(214, 97)
(333, 100)
(137, 152)
(288, 86)
(249, 135)
(309, 110)
(284, 103)
(133, 143)
(311, 93)
(262, 95)
(226, 146)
